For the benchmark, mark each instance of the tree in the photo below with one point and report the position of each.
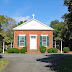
(3, 23)
(8, 33)
(68, 23)
(22, 22)
(54, 23)
(57, 29)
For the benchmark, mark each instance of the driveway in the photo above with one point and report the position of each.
(32, 62)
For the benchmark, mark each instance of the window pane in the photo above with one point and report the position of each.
(44, 37)
(44, 40)
(22, 40)
(44, 44)
(33, 36)
(21, 44)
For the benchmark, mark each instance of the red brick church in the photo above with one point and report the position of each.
(33, 34)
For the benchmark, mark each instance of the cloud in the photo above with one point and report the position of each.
(18, 19)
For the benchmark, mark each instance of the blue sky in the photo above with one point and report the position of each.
(44, 10)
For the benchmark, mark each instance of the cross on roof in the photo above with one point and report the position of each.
(33, 16)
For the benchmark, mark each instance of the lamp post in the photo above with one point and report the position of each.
(11, 44)
(55, 43)
(61, 45)
(3, 45)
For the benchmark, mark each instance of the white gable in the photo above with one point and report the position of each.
(33, 24)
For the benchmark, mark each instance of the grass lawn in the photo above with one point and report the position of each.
(2, 63)
(65, 65)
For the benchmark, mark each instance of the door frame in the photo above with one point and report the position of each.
(36, 40)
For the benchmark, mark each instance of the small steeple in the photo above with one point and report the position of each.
(33, 15)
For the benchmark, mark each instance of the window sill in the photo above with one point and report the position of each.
(21, 46)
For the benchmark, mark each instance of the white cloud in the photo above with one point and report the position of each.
(18, 19)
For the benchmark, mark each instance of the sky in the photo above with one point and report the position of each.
(44, 10)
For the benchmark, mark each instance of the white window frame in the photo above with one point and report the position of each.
(19, 40)
(46, 40)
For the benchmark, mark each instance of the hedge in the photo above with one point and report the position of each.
(42, 49)
(54, 50)
(13, 50)
(49, 50)
(0, 50)
(23, 50)
(66, 49)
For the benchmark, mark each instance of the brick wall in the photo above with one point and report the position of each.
(27, 33)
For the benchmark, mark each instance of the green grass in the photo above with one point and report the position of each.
(2, 63)
(65, 65)
(5, 52)
(70, 51)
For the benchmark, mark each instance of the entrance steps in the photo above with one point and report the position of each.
(32, 52)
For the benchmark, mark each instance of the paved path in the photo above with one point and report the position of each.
(31, 62)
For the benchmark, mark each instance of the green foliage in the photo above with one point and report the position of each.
(23, 50)
(42, 49)
(66, 49)
(54, 23)
(0, 50)
(10, 50)
(22, 22)
(49, 50)
(13, 50)
(65, 65)
(54, 50)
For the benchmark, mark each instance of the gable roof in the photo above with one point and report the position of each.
(33, 24)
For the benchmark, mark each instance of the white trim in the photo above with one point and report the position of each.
(32, 35)
(44, 35)
(33, 29)
(21, 35)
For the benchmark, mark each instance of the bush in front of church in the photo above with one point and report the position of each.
(12, 50)
(42, 49)
(49, 50)
(23, 50)
(54, 50)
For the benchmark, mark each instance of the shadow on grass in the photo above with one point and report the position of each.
(52, 60)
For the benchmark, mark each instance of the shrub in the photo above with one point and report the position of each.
(66, 49)
(0, 50)
(15, 50)
(54, 50)
(23, 50)
(42, 49)
(10, 50)
(49, 50)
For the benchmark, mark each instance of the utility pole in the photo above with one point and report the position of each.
(55, 43)
(3, 46)
(61, 45)
(11, 44)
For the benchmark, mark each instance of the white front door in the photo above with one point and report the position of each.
(33, 42)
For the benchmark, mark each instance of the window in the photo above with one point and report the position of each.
(44, 40)
(21, 40)
(33, 36)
